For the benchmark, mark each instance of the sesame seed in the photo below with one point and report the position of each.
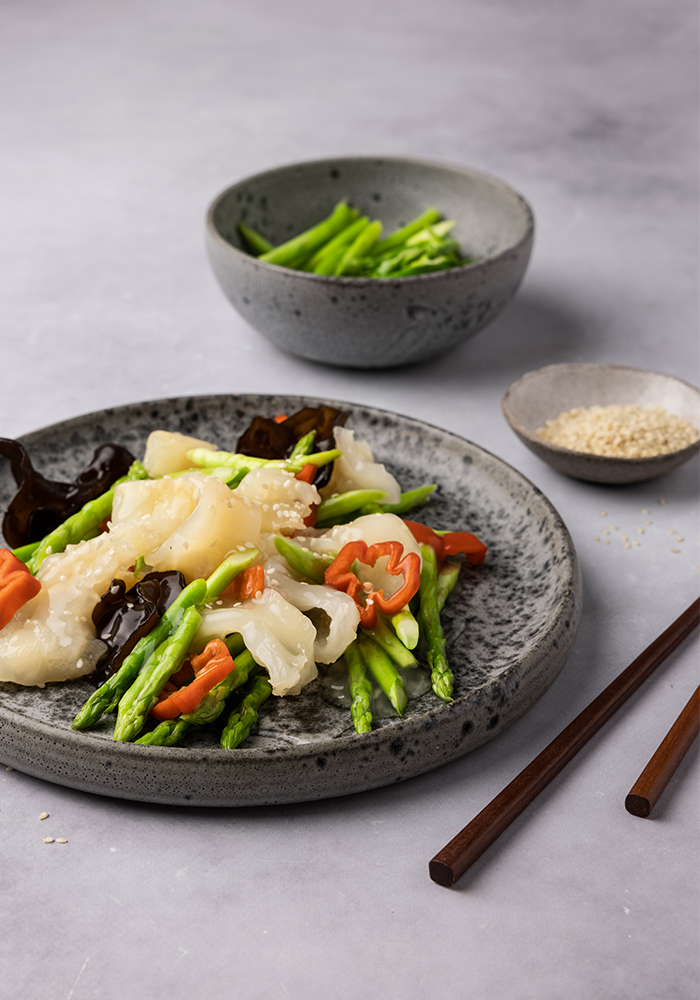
(644, 510)
(61, 840)
(679, 539)
(607, 541)
(44, 816)
(662, 502)
(648, 522)
(627, 545)
(605, 531)
(671, 532)
(625, 538)
(637, 544)
(48, 840)
(596, 538)
(603, 513)
(640, 531)
(9, 768)
(675, 550)
(614, 527)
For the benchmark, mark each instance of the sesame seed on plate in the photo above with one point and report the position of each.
(603, 513)
(61, 840)
(675, 550)
(48, 840)
(662, 501)
(640, 531)
(679, 539)
(44, 816)
(627, 545)
(644, 510)
(605, 531)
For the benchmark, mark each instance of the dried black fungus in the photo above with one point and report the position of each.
(122, 617)
(265, 438)
(41, 504)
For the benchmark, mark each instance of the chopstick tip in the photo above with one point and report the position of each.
(441, 873)
(637, 805)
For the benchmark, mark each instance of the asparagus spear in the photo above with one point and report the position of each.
(229, 569)
(171, 732)
(324, 261)
(257, 243)
(429, 617)
(303, 561)
(384, 672)
(107, 697)
(303, 446)
(211, 459)
(244, 716)
(24, 552)
(137, 702)
(349, 263)
(409, 500)
(83, 523)
(447, 578)
(401, 235)
(311, 239)
(407, 628)
(360, 689)
(392, 645)
(332, 508)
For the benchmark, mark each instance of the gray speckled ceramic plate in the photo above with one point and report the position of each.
(509, 627)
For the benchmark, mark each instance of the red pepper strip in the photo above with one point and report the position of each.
(307, 475)
(210, 667)
(246, 585)
(450, 544)
(340, 576)
(280, 418)
(17, 586)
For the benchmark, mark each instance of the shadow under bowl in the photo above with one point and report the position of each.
(370, 322)
(542, 395)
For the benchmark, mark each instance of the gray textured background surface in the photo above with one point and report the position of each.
(119, 124)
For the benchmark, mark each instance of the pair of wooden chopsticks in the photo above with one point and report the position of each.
(463, 850)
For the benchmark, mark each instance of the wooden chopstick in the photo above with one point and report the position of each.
(463, 850)
(645, 792)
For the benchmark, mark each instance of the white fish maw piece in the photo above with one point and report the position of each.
(283, 501)
(279, 637)
(166, 452)
(342, 612)
(51, 638)
(370, 528)
(199, 521)
(357, 470)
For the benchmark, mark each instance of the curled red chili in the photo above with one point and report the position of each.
(449, 544)
(17, 586)
(339, 575)
(211, 666)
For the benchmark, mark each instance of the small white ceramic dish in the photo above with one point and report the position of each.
(542, 395)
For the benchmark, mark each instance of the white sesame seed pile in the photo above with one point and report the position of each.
(619, 431)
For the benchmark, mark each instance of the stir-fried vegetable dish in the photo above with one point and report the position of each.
(193, 585)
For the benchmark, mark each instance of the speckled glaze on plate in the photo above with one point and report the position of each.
(509, 627)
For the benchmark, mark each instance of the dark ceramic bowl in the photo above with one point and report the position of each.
(370, 322)
(542, 395)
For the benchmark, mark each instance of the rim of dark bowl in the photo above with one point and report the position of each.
(348, 279)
